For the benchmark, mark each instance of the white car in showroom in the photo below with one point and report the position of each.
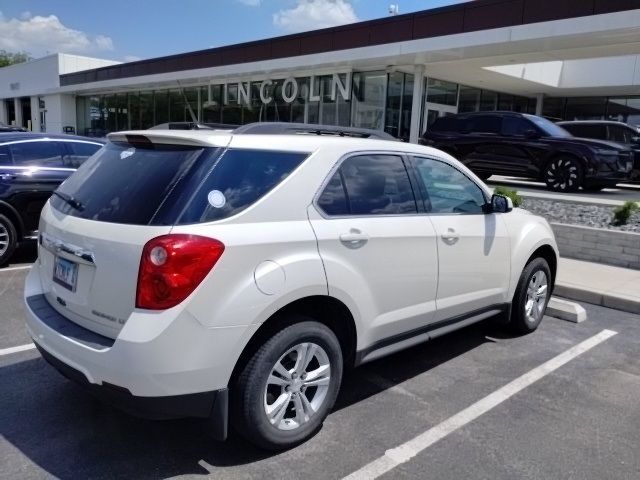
(235, 275)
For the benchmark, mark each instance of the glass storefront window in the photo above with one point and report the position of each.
(585, 108)
(394, 101)
(469, 100)
(488, 101)
(161, 101)
(211, 100)
(134, 111)
(369, 92)
(553, 108)
(147, 112)
(444, 93)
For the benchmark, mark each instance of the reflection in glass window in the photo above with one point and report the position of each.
(369, 92)
(37, 154)
(444, 93)
(377, 185)
(469, 99)
(333, 200)
(448, 190)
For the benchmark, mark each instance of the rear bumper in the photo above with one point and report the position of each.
(213, 405)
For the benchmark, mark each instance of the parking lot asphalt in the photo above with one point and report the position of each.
(581, 420)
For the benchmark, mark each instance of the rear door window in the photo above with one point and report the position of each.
(516, 126)
(485, 124)
(37, 154)
(5, 155)
(587, 130)
(620, 134)
(373, 185)
(127, 184)
(78, 152)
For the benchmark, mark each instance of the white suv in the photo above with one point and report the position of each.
(235, 275)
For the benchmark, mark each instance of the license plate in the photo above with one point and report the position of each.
(65, 273)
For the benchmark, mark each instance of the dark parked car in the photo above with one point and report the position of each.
(628, 135)
(32, 165)
(10, 128)
(522, 145)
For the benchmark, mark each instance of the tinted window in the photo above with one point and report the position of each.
(377, 185)
(79, 152)
(5, 157)
(484, 124)
(516, 126)
(587, 130)
(239, 179)
(124, 184)
(548, 128)
(620, 134)
(333, 200)
(448, 190)
(445, 124)
(37, 154)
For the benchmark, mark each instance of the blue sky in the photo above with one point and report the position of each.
(132, 29)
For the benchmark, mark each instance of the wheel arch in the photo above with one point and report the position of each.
(12, 214)
(546, 252)
(324, 309)
(576, 155)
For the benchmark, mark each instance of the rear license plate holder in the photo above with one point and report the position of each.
(65, 273)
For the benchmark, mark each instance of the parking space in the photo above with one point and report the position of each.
(578, 421)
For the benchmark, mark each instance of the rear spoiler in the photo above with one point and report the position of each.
(172, 137)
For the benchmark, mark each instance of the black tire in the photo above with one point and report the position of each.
(563, 174)
(248, 416)
(8, 239)
(520, 321)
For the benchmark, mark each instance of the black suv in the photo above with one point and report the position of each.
(521, 145)
(627, 135)
(32, 165)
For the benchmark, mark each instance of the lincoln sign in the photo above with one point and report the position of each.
(289, 92)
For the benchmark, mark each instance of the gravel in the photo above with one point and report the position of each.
(596, 216)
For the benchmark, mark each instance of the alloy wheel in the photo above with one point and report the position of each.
(297, 386)
(537, 292)
(563, 175)
(4, 239)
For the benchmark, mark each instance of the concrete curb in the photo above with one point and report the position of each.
(625, 304)
(566, 310)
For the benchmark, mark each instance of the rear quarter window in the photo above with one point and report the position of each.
(238, 180)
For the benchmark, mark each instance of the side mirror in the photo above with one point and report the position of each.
(532, 134)
(501, 204)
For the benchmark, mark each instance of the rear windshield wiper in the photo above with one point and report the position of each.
(69, 200)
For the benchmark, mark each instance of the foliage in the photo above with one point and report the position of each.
(512, 194)
(622, 214)
(8, 58)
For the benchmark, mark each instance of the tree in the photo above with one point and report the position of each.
(8, 58)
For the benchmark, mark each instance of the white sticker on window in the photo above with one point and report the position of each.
(127, 153)
(216, 199)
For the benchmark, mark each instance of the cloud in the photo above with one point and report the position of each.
(131, 58)
(41, 34)
(314, 14)
(251, 3)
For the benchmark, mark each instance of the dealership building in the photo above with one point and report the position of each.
(564, 59)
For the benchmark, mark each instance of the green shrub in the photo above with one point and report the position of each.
(512, 194)
(621, 214)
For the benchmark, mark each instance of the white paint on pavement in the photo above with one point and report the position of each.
(13, 269)
(405, 452)
(21, 348)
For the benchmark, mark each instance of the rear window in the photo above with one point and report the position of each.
(169, 185)
(125, 184)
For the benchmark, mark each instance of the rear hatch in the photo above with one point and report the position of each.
(92, 232)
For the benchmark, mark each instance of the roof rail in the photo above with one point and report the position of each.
(284, 128)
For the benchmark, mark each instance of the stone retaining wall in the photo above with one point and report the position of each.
(612, 247)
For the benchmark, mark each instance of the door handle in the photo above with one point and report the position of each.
(354, 239)
(450, 236)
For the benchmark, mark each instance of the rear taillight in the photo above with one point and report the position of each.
(172, 266)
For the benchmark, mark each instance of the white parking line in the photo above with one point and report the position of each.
(13, 269)
(405, 452)
(21, 348)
